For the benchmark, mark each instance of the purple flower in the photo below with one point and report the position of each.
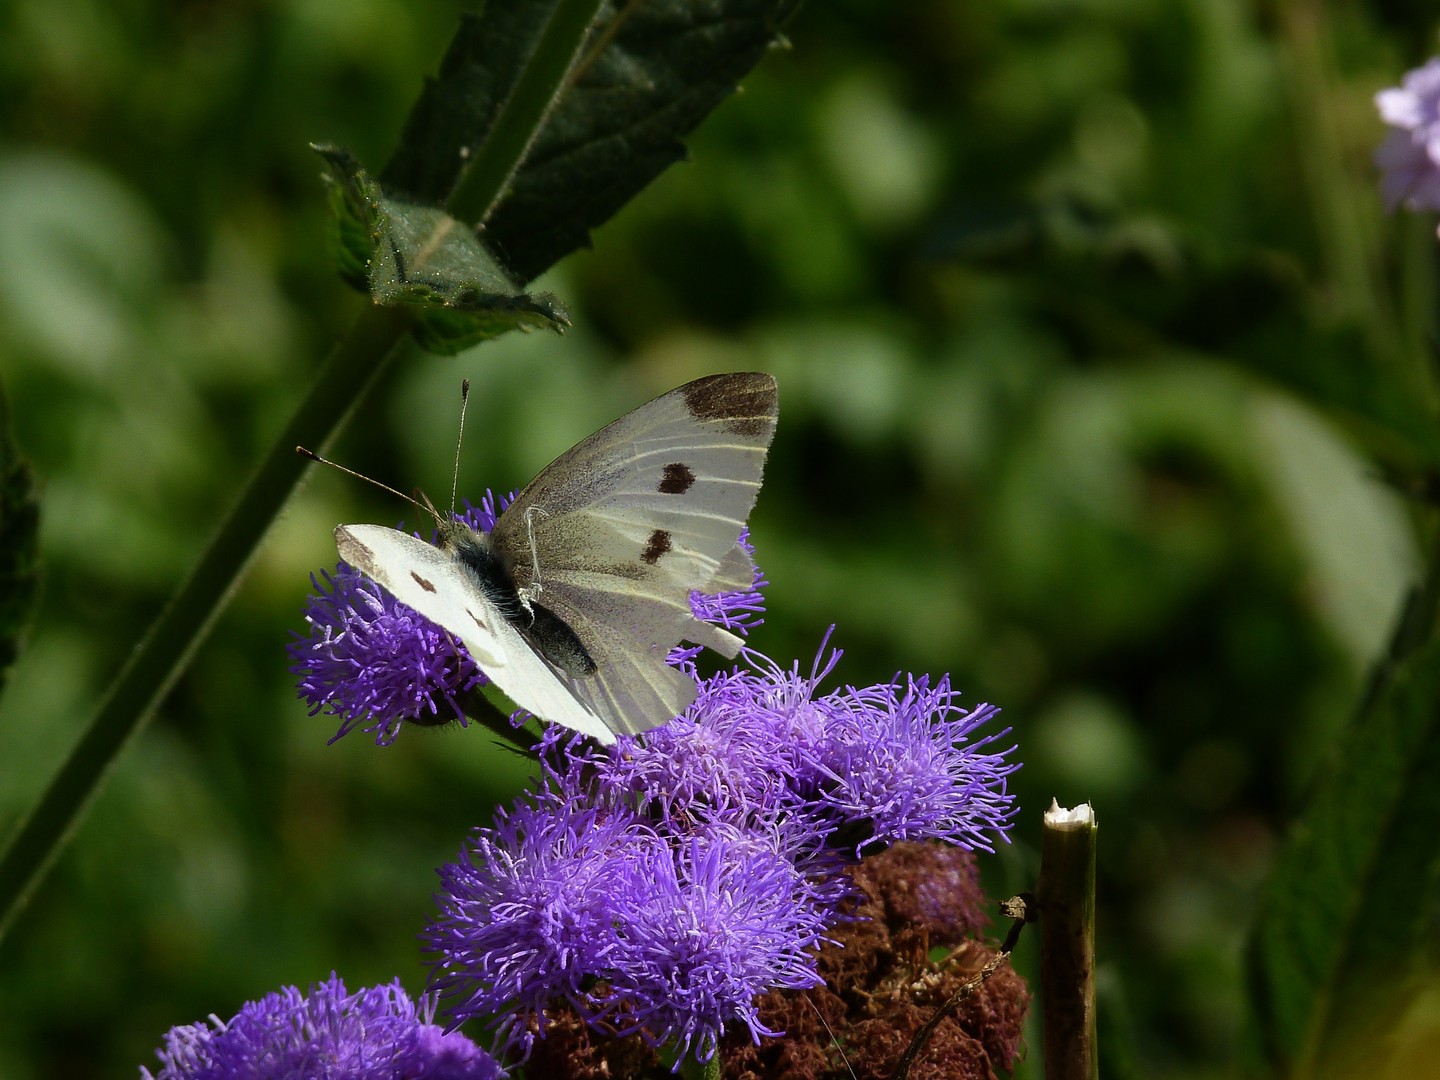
(526, 913)
(704, 929)
(671, 939)
(895, 761)
(725, 756)
(1409, 158)
(374, 1034)
(736, 611)
(903, 770)
(376, 663)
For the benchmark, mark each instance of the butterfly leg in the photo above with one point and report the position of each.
(530, 592)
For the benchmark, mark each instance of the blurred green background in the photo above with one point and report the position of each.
(1091, 339)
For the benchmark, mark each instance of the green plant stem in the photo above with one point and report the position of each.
(1066, 896)
(523, 113)
(163, 653)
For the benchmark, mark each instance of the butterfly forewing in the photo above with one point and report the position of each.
(432, 582)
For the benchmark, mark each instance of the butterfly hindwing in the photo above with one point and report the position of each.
(631, 683)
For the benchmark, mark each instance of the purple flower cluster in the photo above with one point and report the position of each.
(660, 885)
(566, 901)
(875, 765)
(377, 1033)
(1409, 158)
(377, 664)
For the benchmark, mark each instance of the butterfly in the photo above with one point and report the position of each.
(572, 601)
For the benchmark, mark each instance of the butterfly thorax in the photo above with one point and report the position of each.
(494, 575)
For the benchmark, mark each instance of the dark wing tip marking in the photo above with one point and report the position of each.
(351, 549)
(425, 584)
(659, 544)
(743, 402)
(677, 479)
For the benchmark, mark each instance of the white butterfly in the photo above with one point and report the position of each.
(572, 602)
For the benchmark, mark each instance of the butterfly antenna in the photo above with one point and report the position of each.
(455, 476)
(828, 1031)
(425, 504)
(368, 479)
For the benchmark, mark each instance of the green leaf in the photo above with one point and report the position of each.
(19, 562)
(419, 257)
(1347, 918)
(651, 71)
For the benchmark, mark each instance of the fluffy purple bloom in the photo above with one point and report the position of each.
(377, 663)
(905, 771)
(373, 1034)
(726, 757)
(670, 938)
(704, 929)
(661, 885)
(895, 761)
(738, 612)
(526, 913)
(1409, 158)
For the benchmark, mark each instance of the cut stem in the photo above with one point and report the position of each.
(1066, 894)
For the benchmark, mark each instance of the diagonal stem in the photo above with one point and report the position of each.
(162, 655)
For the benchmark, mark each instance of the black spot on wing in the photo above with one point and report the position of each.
(425, 584)
(677, 479)
(743, 402)
(659, 544)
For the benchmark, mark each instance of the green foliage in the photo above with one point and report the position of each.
(1344, 936)
(649, 74)
(422, 258)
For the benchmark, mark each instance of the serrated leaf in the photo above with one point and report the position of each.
(653, 69)
(350, 238)
(420, 257)
(1347, 918)
(19, 559)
